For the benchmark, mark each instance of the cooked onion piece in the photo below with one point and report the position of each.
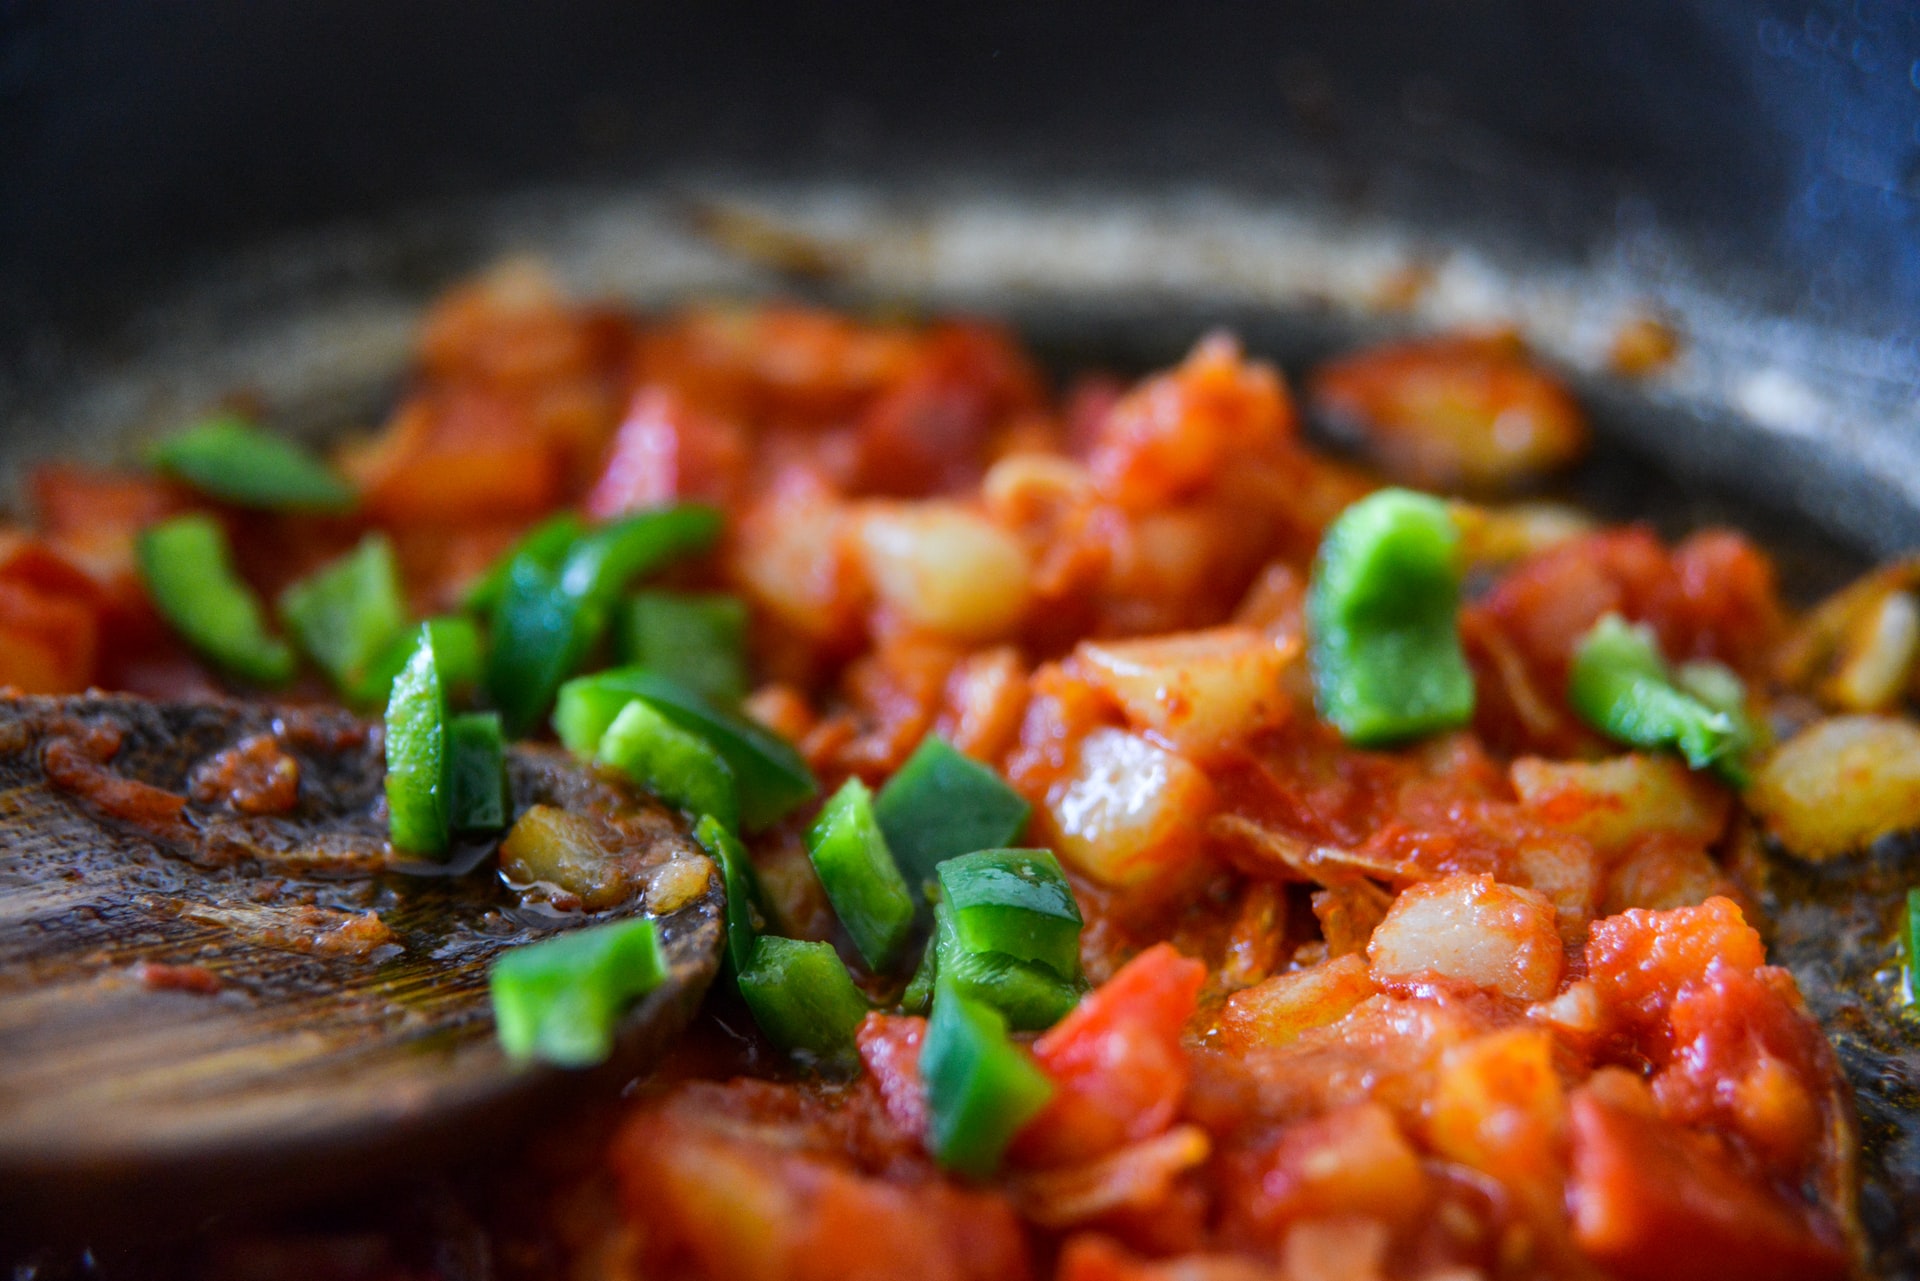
(1472, 928)
(1840, 784)
(1468, 411)
(1277, 1011)
(1127, 815)
(1876, 656)
(1615, 802)
(1200, 691)
(945, 569)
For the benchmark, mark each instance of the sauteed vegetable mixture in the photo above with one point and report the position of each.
(1155, 846)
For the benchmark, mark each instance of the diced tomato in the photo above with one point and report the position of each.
(458, 455)
(1463, 410)
(72, 499)
(781, 364)
(1089, 1256)
(1116, 1062)
(1499, 1108)
(1651, 1203)
(1639, 960)
(740, 1193)
(929, 433)
(1174, 434)
(1354, 1160)
(1088, 402)
(866, 1229)
(890, 1050)
(1725, 602)
(47, 643)
(1547, 602)
(1712, 597)
(51, 618)
(34, 564)
(94, 513)
(665, 451)
(894, 693)
(1747, 1059)
(513, 329)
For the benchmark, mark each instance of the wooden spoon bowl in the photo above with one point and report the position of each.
(217, 982)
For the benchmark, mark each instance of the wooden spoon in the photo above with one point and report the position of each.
(215, 977)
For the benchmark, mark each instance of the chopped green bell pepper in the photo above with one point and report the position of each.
(981, 1087)
(602, 562)
(546, 544)
(804, 1000)
(942, 803)
(560, 1000)
(743, 889)
(859, 875)
(231, 459)
(1015, 902)
(549, 618)
(419, 755)
(480, 802)
(919, 991)
(187, 567)
(456, 648)
(682, 769)
(538, 639)
(1382, 617)
(1911, 937)
(1620, 685)
(349, 612)
(1033, 997)
(771, 776)
(698, 640)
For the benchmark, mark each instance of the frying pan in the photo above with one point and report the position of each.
(199, 198)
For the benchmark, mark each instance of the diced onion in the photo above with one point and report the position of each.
(1840, 784)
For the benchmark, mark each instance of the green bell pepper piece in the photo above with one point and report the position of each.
(549, 618)
(698, 640)
(981, 1087)
(1016, 902)
(804, 1000)
(678, 767)
(1383, 621)
(743, 889)
(941, 803)
(1620, 685)
(1033, 997)
(538, 639)
(859, 875)
(419, 755)
(919, 991)
(456, 648)
(545, 544)
(231, 459)
(1911, 936)
(771, 776)
(601, 563)
(349, 612)
(560, 1000)
(187, 567)
(480, 802)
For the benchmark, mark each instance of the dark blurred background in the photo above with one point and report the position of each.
(1780, 138)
